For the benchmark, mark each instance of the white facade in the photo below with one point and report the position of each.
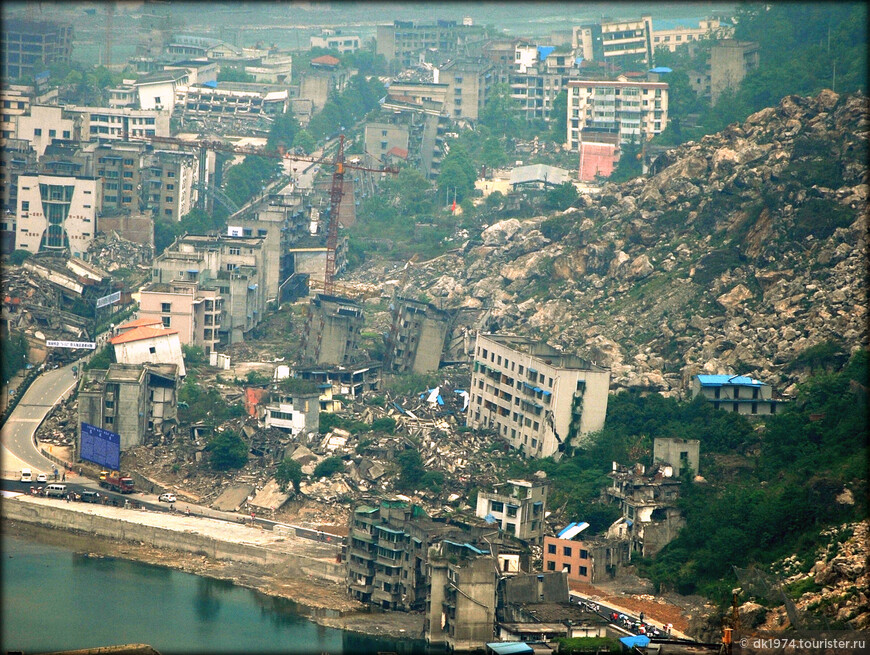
(331, 40)
(157, 95)
(144, 345)
(121, 123)
(44, 123)
(706, 29)
(272, 69)
(518, 508)
(56, 213)
(284, 417)
(638, 110)
(533, 396)
(525, 55)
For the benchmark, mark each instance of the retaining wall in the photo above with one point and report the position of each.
(279, 562)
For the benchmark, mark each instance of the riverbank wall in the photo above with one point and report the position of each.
(281, 553)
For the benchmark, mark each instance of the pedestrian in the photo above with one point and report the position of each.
(187, 511)
(641, 617)
(63, 478)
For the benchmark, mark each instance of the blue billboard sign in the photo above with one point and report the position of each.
(101, 446)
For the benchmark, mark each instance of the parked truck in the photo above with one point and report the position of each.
(116, 482)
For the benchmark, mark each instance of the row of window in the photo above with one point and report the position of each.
(581, 570)
(567, 551)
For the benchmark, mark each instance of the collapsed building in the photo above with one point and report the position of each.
(136, 401)
(332, 330)
(416, 337)
(533, 396)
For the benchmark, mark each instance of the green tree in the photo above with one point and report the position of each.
(289, 472)
(501, 112)
(559, 117)
(193, 355)
(17, 257)
(304, 141)
(234, 75)
(283, 131)
(14, 348)
(227, 450)
(457, 175)
(411, 469)
(384, 424)
(561, 197)
(328, 467)
(629, 165)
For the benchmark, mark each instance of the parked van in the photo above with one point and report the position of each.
(90, 497)
(55, 489)
(26, 475)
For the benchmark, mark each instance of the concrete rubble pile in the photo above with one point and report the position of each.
(733, 254)
(113, 253)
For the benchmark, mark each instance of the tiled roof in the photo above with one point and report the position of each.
(141, 333)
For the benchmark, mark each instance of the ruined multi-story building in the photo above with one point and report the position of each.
(417, 335)
(233, 266)
(136, 401)
(648, 502)
(535, 397)
(189, 306)
(402, 42)
(293, 406)
(517, 507)
(332, 330)
(281, 220)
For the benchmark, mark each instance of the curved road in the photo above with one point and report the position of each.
(17, 434)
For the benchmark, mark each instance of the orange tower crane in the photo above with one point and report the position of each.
(335, 195)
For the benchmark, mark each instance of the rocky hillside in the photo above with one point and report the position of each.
(739, 253)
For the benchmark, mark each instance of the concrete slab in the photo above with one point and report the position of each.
(233, 498)
(270, 496)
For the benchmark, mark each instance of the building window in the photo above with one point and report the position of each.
(512, 511)
(566, 551)
(165, 307)
(567, 568)
(496, 506)
(551, 549)
(52, 133)
(37, 131)
(551, 566)
(167, 321)
(584, 554)
(25, 205)
(235, 251)
(584, 571)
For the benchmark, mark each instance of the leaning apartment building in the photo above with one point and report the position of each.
(535, 397)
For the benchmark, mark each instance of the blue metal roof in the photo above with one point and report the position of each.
(661, 69)
(509, 647)
(736, 380)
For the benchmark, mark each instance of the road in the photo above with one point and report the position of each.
(18, 446)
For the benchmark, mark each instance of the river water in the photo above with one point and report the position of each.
(57, 599)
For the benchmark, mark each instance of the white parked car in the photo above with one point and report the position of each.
(166, 498)
(41, 478)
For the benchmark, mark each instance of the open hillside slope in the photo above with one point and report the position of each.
(744, 252)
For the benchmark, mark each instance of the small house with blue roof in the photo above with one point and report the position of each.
(736, 393)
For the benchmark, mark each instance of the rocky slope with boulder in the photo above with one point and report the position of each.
(739, 253)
